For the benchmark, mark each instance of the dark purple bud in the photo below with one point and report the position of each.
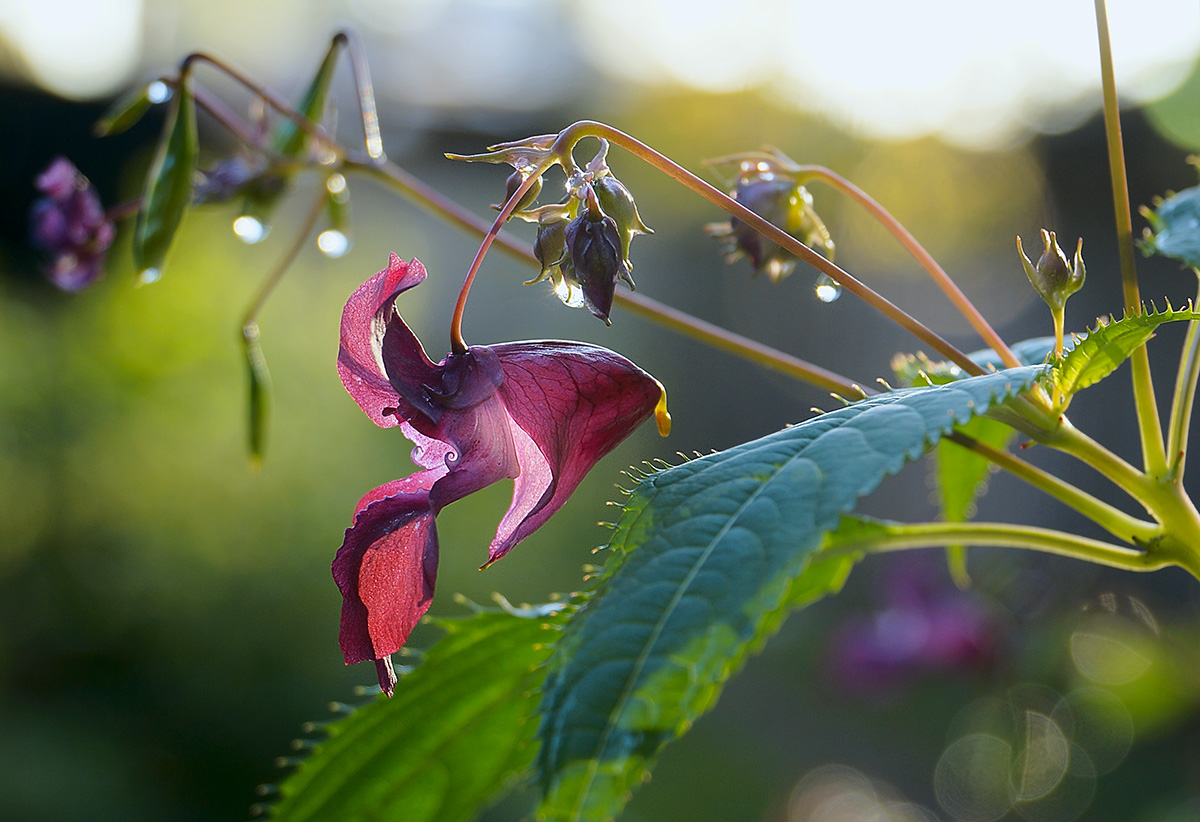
(230, 178)
(69, 223)
(594, 246)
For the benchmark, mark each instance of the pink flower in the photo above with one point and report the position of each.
(542, 413)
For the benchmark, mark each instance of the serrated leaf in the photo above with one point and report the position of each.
(706, 557)
(1176, 224)
(918, 369)
(1108, 345)
(456, 732)
(169, 182)
(123, 113)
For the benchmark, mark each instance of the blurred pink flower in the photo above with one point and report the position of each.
(69, 222)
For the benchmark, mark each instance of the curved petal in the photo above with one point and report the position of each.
(386, 569)
(573, 403)
(365, 319)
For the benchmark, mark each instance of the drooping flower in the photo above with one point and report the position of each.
(541, 413)
(69, 223)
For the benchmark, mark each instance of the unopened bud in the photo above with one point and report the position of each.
(510, 188)
(594, 245)
(616, 201)
(1053, 277)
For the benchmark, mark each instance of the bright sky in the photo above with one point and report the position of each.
(977, 73)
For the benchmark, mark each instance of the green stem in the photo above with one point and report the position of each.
(1150, 426)
(1184, 399)
(285, 262)
(905, 536)
(1116, 522)
(919, 253)
(587, 128)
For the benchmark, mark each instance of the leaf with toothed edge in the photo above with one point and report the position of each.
(457, 731)
(709, 556)
(1109, 344)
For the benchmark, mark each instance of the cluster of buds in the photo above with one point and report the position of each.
(582, 241)
(768, 185)
(69, 223)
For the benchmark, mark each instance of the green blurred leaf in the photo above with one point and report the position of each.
(1108, 345)
(456, 732)
(918, 369)
(709, 557)
(169, 182)
(260, 389)
(123, 113)
(1176, 227)
(961, 478)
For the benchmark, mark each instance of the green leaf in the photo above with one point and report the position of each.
(124, 113)
(1108, 345)
(169, 183)
(706, 557)
(1176, 226)
(456, 732)
(260, 389)
(961, 477)
(918, 369)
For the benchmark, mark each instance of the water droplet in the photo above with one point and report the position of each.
(569, 293)
(333, 243)
(335, 183)
(149, 275)
(249, 229)
(158, 92)
(826, 289)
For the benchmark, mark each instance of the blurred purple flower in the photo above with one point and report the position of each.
(69, 223)
(541, 413)
(923, 628)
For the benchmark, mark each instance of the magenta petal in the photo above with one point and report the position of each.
(573, 403)
(364, 321)
(386, 567)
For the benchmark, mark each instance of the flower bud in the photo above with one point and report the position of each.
(616, 201)
(594, 247)
(785, 203)
(511, 185)
(1053, 277)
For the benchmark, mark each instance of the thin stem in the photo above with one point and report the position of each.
(267, 95)
(285, 262)
(919, 253)
(432, 200)
(1116, 522)
(586, 128)
(905, 536)
(372, 138)
(1070, 440)
(457, 344)
(1150, 426)
(1184, 399)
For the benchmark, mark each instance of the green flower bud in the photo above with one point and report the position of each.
(1053, 277)
(616, 201)
(510, 188)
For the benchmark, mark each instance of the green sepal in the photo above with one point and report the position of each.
(168, 190)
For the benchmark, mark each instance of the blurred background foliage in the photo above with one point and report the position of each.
(167, 620)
